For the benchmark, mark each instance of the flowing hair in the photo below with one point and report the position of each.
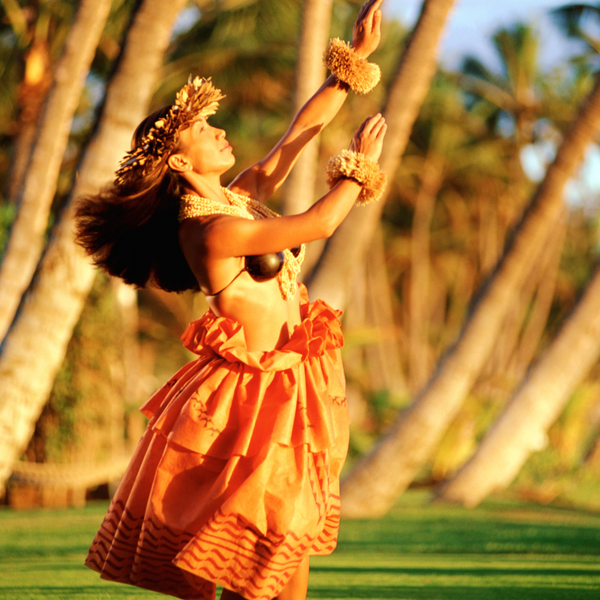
(130, 229)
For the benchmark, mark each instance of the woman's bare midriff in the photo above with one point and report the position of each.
(268, 320)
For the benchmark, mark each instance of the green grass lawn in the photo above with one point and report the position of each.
(501, 550)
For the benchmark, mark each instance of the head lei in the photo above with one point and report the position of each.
(198, 98)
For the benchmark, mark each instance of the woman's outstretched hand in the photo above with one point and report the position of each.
(368, 139)
(366, 32)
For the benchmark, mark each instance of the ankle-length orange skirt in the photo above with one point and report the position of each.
(236, 478)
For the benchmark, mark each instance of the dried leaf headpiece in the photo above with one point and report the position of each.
(198, 98)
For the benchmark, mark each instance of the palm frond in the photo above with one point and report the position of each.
(573, 17)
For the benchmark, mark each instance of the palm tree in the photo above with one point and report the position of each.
(310, 72)
(516, 94)
(371, 487)
(546, 389)
(522, 427)
(34, 349)
(513, 91)
(38, 32)
(27, 235)
(573, 20)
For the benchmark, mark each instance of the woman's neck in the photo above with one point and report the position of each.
(206, 187)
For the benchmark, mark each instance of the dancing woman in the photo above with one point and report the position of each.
(235, 481)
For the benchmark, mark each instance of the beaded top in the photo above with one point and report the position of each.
(246, 208)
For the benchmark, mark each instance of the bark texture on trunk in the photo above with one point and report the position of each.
(35, 347)
(371, 487)
(26, 240)
(310, 72)
(522, 428)
(417, 67)
(383, 357)
(419, 302)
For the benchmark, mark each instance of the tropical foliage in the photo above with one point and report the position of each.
(477, 153)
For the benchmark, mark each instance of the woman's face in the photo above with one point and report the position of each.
(206, 148)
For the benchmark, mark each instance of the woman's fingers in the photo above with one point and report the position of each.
(371, 14)
(372, 122)
(366, 32)
(379, 123)
(361, 128)
(377, 17)
(363, 9)
(368, 138)
(382, 130)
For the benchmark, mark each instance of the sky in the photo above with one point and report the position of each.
(473, 21)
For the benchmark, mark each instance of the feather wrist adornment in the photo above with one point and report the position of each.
(360, 168)
(343, 61)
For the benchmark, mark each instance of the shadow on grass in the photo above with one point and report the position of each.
(90, 591)
(417, 552)
(15, 553)
(72, 564)
(468, 533)
(432, 592)
(512, 571)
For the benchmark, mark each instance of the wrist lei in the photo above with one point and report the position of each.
(362, 169)
(343, 61)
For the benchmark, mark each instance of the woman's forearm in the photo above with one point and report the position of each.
(329, 211)
(323, 106)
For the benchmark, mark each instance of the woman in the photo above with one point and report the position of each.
(235, 481)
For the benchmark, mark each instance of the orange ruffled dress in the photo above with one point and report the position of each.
(236, 478)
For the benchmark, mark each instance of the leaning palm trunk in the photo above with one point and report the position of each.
(26, 241)
(522, 329)
(35, 347)
(309, 76)
(372, 486)
(522, 427)
(415, 72)
(383, 357)
(431, 180)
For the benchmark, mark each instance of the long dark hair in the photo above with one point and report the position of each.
(130, 229)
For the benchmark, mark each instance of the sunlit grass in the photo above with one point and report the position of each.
(500, 551)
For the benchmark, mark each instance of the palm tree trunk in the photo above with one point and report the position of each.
(383, 357)
(34, 349)
(372, 487)
(419, 297)
(592, 460)
(310, 71)
(26, 240)
(33, 92)
(350, 243)
(522, 427)
(526, 320)
(534, 329)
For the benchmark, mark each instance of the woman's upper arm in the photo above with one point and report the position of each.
(236, 236)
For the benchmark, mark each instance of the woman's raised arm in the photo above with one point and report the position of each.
(263, 178)
(225, 236)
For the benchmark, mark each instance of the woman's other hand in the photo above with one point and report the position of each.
(369, 137)
(366, 32)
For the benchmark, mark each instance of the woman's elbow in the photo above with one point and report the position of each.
(327, 225)
(324, 221)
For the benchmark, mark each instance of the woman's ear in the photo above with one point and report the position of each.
(179, 163)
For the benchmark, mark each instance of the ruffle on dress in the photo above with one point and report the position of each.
(236, 478)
